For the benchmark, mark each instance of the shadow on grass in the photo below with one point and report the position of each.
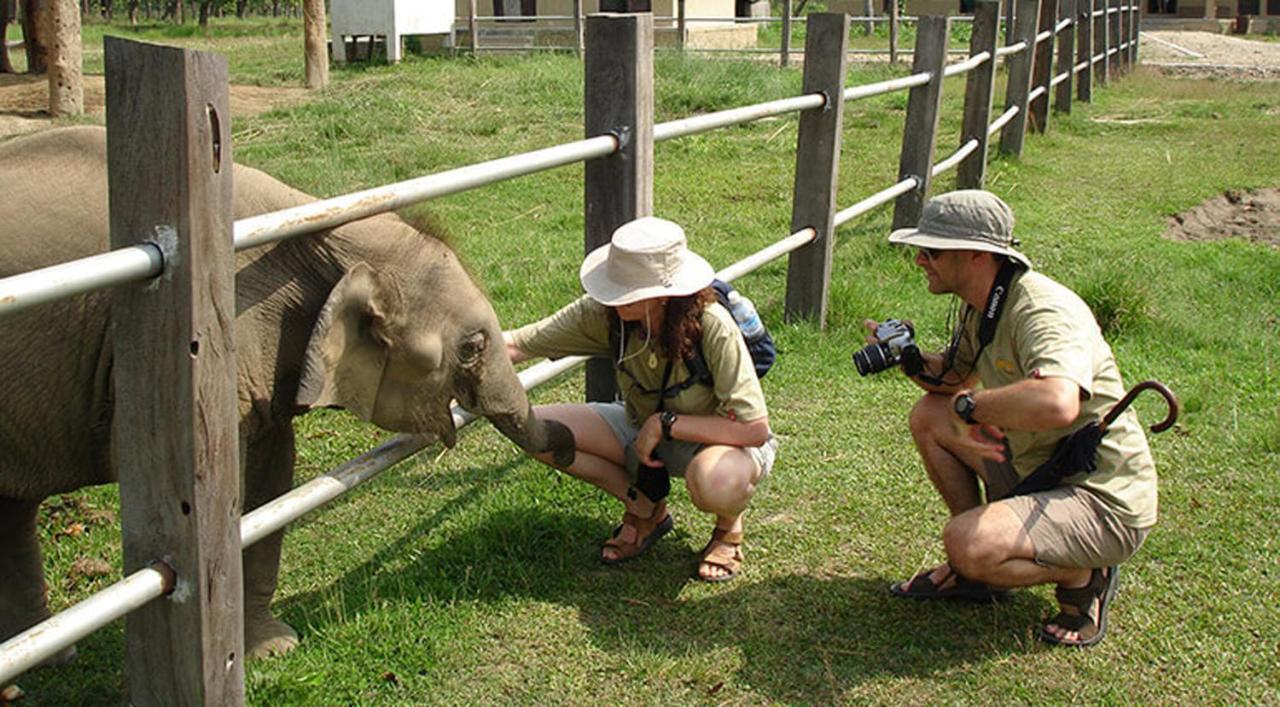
(799, 636)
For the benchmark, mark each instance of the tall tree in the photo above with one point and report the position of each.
(34, 33)
(315, 45)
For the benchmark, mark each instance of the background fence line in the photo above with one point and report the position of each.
(828, 35)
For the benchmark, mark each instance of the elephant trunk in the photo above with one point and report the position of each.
(537, 436)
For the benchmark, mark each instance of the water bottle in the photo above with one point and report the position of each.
(744, 312)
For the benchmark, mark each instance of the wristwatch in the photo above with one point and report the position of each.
(667, 418)
(964, 405)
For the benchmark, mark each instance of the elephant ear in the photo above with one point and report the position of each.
(347, 354)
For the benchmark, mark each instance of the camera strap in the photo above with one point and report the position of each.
(991, 312)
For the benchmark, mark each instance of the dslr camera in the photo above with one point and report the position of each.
(896, 345)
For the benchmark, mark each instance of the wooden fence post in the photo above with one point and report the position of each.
(920, 135)
(1134, 33)
(1102, 41)
(682, 26)
(978, 91)
(577, 28)
(619, 100)
(1122, 32)
(473, 27)
(1084, 49)
(785, 59)
(1066, 55)
(315, 43)
(174, 436)
(826, 49)
(1113, 60)
(1042, 69)
(893, 31)
(1019, 86)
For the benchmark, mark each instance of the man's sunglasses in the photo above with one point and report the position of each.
(931, 254)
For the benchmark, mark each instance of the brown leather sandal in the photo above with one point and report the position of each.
(952, 586)
(724, 551)
(648, 531)
(1075, 604)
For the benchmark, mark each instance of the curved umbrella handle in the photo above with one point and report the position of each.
(1157, 386)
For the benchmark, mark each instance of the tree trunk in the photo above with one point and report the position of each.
(8, 8)
(133, 12)
(241, 7)
(275, 8)
(317, 50)
(205, 6)
(33, 34)
(66, 87)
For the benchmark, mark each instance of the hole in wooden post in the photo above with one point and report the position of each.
(215, 132)
(195, 349)
(186, 508)
(231, 661)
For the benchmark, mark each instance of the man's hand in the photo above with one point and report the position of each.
(987, 441)
(647, 440)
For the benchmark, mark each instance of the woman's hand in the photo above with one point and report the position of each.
(647, 440)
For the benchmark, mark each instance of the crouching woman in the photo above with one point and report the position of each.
(650, 309)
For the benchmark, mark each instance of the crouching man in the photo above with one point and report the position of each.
(1026, 366)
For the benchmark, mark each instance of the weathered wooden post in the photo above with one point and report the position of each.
(813, 205)
(174, 438)
(1102, 39)
(1134, 31)
(1084, 49)
(315, 43)
(893, 31)
(1042, 68)
(1126, 21)
(1019, 86)
(785, 59)
(65, 57)
(1066, 54)
(577, 28)
(920, 136)
(682, 27)
(978, 91)
(619, 101)
(1113, 50)
(473, 27)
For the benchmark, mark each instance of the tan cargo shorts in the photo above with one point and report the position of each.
(1069, 525)
(676, 454)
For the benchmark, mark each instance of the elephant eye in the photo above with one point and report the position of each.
(472, 347)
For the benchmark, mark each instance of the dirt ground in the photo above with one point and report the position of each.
(1253, 216)
(1204, 54)
(24, 101)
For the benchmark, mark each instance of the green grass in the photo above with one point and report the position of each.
(471, 578)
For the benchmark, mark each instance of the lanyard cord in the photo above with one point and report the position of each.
(991, 312)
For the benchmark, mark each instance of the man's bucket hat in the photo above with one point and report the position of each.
(969, 219)
(646, 258)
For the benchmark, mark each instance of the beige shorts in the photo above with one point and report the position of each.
(676, 454)
(1070, 527)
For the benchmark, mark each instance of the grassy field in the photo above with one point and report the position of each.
(469, 576)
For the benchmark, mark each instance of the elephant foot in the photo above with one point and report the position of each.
(267, 636)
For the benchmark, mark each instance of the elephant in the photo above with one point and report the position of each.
(373, 316)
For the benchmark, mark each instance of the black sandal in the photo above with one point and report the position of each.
(1102, 586)
(922, 587)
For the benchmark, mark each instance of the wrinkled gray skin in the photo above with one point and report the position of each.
(374, 316)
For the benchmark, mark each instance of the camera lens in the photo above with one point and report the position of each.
(871, 359)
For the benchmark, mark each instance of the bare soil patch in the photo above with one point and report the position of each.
(1206, 54)
(1251, 215)
(24, 101)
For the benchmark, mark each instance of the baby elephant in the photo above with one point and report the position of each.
(373, 316)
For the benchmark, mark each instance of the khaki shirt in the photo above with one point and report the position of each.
(582, 329)
(1046, 331)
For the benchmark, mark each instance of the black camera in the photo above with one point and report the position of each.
(896, 345)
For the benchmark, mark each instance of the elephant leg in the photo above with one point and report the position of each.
(268, 474)
(23, 602)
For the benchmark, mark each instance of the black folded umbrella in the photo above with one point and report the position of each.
(1078, 451)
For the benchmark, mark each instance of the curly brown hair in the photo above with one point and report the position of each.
(681, 323)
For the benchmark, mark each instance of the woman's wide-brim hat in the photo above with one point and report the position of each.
(646, 258)
(969, 219)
